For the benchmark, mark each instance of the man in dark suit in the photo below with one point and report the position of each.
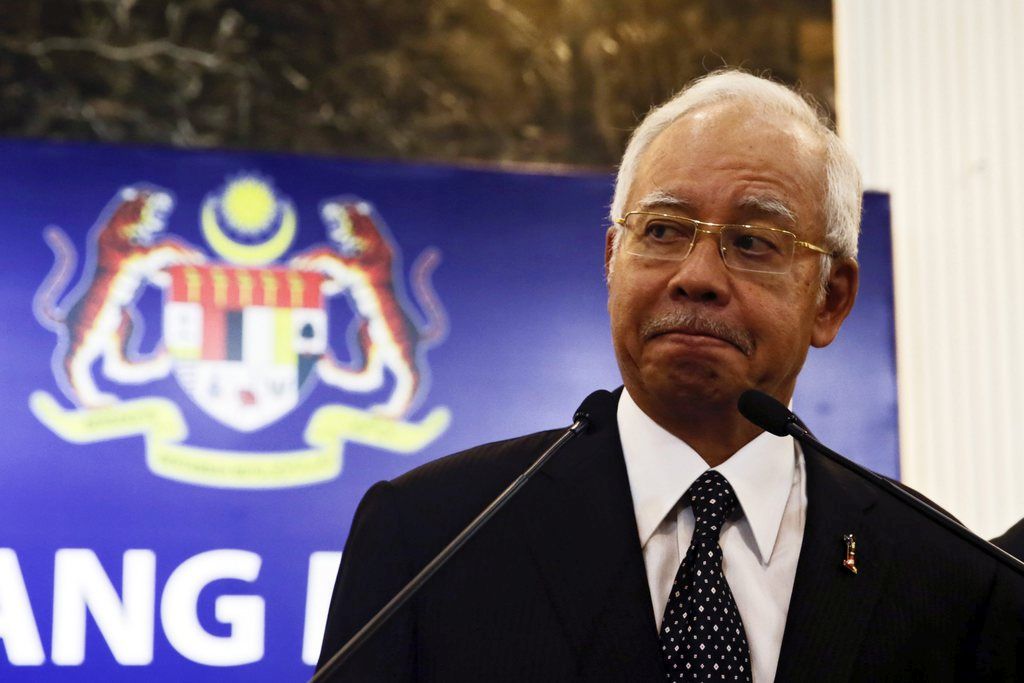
(677, 541)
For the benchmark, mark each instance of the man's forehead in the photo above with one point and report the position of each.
(730, 134)
(764, 204)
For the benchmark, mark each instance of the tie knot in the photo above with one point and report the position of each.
(712, 500)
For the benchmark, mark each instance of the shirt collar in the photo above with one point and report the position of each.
(661, 467)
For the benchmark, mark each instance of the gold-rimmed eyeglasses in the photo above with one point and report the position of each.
(752, 248)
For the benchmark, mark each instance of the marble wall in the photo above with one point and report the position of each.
(556, 81)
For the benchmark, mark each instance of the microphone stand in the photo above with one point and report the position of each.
(582, 421)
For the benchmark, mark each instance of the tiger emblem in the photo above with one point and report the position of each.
(97, 319)
(360, 262)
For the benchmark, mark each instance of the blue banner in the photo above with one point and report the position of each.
(209, 357)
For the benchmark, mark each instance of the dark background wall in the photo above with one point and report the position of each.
(559, 81)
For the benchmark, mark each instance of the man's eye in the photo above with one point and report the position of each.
(664, 232)
(755, 245)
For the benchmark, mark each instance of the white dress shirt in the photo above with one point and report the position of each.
(760, 541)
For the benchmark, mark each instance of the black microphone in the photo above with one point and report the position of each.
(771, 416)
(595, 410)
(765, 412)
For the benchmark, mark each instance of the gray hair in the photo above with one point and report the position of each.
(842, 177)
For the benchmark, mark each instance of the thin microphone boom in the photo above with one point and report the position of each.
(583, 420)
(771, 416)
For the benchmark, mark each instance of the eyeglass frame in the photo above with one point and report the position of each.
(721, 247)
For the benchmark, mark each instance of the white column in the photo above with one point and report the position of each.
(930, 96)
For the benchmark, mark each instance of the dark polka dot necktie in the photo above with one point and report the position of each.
(702, 636)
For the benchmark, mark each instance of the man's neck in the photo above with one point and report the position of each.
(715, 432)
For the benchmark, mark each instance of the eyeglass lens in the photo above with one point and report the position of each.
(742, 247)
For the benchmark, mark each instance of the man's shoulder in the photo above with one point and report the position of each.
(471, 478)
(1013, 540)
(489, 459)
(910, 538)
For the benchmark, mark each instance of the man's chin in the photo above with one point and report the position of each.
(697, 389)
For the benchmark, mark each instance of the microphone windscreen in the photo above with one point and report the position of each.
(596, 409)
(765, 412)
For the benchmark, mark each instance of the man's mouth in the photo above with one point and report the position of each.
(698, 325)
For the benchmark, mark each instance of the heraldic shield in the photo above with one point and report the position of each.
(244, 341)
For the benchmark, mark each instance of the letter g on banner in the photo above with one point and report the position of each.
(244, 613)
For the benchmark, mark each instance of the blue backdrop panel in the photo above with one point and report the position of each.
(847, 391)
(207, 358)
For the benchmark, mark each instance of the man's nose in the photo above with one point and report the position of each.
(702, 276)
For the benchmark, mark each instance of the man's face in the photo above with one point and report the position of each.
(693, 335)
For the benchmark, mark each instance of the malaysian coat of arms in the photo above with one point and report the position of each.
(245, 333)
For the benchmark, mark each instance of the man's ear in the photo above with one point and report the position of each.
(609, 251)
(837, 303)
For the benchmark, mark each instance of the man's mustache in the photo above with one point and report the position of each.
(697, 322)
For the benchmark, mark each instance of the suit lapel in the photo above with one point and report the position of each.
(582, 532)
(830, 607)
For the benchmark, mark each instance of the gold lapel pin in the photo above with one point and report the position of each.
(850, 562)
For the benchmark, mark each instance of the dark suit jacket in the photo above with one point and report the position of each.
(1013, 540)
(554, 589)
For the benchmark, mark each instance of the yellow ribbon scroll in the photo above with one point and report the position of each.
(160, 422)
